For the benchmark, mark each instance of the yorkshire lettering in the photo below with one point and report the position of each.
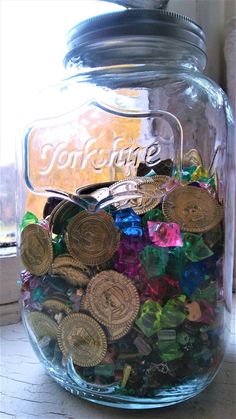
(57, 156)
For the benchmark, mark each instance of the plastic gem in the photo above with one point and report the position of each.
(155, 290)
(208, 293)
(169, 351)
(195, 248)
(37, 295)
(104, 370)
(192, 278)
(127, 261)
(173, 313)
(213, 236)
(153, 215)
(149, 320)
(143, 347)
(187, 173)
(199, 173)
(167, 334)
(207, 312)
(128, 222)
(29, 218)
(59, 245)
(126, 374)
(177, 262)
(33, 283)
(154, 260)
(164, 234)
(183, 338)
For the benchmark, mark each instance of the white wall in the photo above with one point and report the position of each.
(212, 15)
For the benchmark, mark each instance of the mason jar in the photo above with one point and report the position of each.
(127, 214)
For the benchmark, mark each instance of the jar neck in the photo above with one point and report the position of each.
(161, 52)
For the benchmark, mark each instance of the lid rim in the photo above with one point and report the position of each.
(135, 22)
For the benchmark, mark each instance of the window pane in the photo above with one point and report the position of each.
(32, 51)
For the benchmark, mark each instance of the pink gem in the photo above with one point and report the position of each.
(127, 261)
(164, 234)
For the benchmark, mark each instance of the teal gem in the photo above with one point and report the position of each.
(29, 218)
(38, 295)
(195, 248)
(59, 245)
(173, 313)
(149, 319)
(187, 172)
(153, 215)
(168, 351)
(154, 260)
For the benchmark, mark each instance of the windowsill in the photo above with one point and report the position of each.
(28, 392)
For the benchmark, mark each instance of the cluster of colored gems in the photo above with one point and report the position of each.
(133, 293)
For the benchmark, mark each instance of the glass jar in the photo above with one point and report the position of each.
(127, 284)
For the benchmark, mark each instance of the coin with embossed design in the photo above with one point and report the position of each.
(80, 336)
(194, 209)
(74, 276)
(92, 238)
(42, 325)
(113, 299)
(117, 333)
(66, 260)
(61, 215)
(151, 197)
(36, 249)
(55, 306)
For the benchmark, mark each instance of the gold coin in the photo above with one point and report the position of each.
(113, 299)
(61, 214)
(74, 276)
(92, 238)
(161, 181)
(66, 260)
(194, 209)
(152, 197)
(84, 303)
(56, 306)
(36, 249)
(42, 325)
(80, 336)
(117, 333)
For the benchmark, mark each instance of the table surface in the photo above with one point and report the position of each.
(28, 392)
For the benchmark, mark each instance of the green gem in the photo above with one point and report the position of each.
(168, 351)
(208, 293)
(104, 370)
(29, 218)
(149, 319)
(195, 248)
(154, 260)
(177, 262)
(59, 245)
(183, 338)
(153, 215)
(37, 295)
(173, 313)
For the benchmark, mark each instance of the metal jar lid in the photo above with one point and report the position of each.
(133, 23)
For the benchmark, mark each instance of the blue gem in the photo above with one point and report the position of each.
(128, 222)
(192, 278)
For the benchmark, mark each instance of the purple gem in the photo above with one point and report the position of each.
(127, 261)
